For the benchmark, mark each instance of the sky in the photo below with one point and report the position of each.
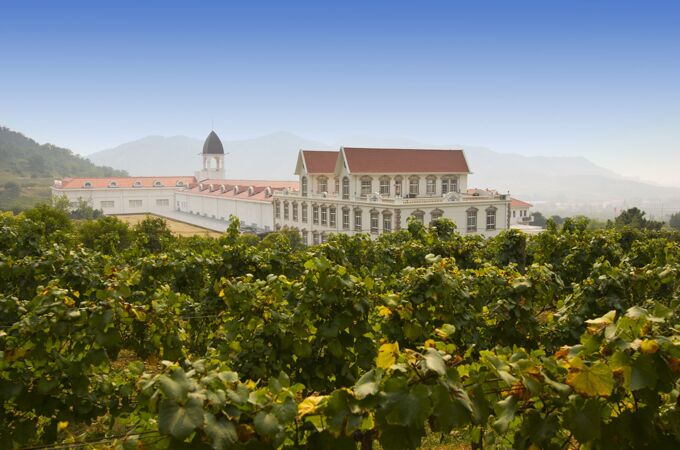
(599, 79)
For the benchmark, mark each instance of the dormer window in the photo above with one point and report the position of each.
(251, 191)
(223, 188)
(87, 184)
(157, 183)
(137, 184)
(236, 190)
(179, 183)
(268, 192)
(211, 187)
(201, 187)
(113, 184)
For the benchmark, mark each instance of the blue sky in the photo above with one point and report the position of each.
(599, 79)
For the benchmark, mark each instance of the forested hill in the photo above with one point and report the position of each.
(27, 169)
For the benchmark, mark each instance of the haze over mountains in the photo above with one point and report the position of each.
(561, 183)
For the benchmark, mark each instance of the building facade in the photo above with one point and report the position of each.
(370, 190)
(353, 190)
(520, 214)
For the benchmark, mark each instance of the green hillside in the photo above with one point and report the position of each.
(27, 169)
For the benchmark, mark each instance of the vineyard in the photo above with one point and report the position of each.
(121, 337)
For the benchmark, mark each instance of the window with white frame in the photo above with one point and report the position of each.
(436, 214)
(414, 186)
(135, 203)
(285, 211)
(295, 211)
(304, 212)
(431, 185)
(472, 220)
(315, 237)
(366, 186)
(324, 215)
(303, 186)
(375, 221)
(397, 186)
(491, 218)
(106, 204)
(337, 186)
(322, 184)
(305, 236)
(277, 209)
(385, 186)
(162, 202)
(387, 221)
(345, 188)
(315, 214)
(345, 218)
(113, 184)
(331, 216)
(357, 219)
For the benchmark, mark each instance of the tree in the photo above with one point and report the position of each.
(675, 221)
(539, 220)
(152, 234)
(107, 234)
(635, 218)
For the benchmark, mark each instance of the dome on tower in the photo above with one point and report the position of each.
(213, 145)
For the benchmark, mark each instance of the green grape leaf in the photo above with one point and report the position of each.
(178, 420)
(590, 380)
(408, 408)
(505, 412)
(222, 433)
(266, 424)
(583, 419)
(367, 385)
(434, 361)
(176, 386)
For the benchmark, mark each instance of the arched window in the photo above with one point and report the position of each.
(332, 217)
(113, 184)
(237, 190)
(345, 188)
(251, 191)
(157, 183)
(436, 214)
(357, 219)
(375, 221)
(385, 185)
(322, 184)
(277, 209)
(268, 192)
(491, 218)
(285, 210)
(87, 184)
(137, 184)
(472, 220)
(387, 221)
(431, 185)
(179, 183)
(211, 187)
(419, 215)
(337, 186)
(413, 185)
(366, 185)
(303, 186)
(315, 214)
(449, 184)
(295, 211)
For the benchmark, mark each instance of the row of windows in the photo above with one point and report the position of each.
(448, 184)
(136, 184)
(133, 203)
(472, 219)
(522, 213)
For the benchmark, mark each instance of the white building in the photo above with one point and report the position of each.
(520, 212)
(353, 190)
(375, 190)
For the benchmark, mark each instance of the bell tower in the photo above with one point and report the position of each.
(213, 158)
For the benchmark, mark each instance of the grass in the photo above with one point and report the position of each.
(177, 228)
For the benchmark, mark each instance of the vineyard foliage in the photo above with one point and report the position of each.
(134, 338)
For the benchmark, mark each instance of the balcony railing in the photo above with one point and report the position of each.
(377, 198)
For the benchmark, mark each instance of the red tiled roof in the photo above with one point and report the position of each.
(259, 187)
(514, 203)
(124, 182)
(402, 160)
(320, 161)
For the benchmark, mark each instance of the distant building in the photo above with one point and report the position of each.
(520, 212)
(353, 190)
(376, 190)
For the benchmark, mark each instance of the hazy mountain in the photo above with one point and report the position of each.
(264, 157)
(569, 180)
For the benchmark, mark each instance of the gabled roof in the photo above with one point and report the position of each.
(125, 182)
(515, 203)
(213, 145)
(259, 192)
(319, 161)
(403, 160)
